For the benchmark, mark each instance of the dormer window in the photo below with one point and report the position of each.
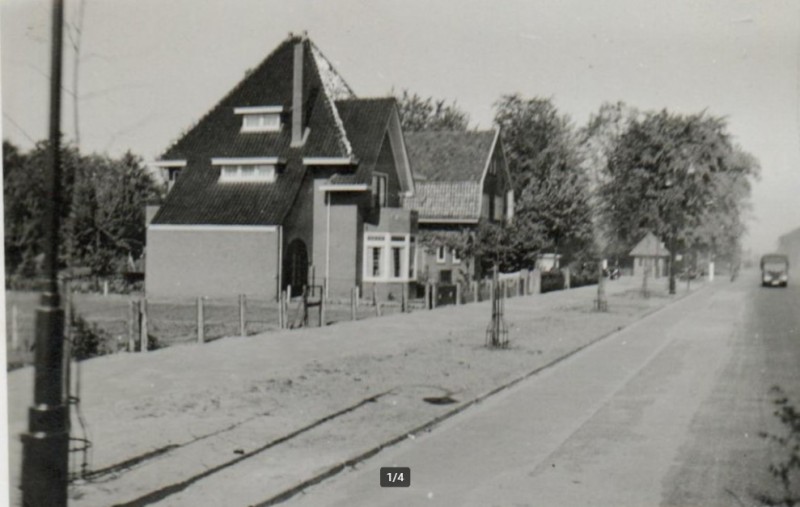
(247, 170)
(260, 118)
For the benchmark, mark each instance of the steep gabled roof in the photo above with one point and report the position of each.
(650, 246)
(365, 121)
(449, 156)
(199, 198)
(449, 168)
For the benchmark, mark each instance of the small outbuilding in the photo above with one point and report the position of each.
(650, 253)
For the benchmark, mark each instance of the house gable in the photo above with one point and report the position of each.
(198, 196)
(452, 171)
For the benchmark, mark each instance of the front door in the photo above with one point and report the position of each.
(296, 267)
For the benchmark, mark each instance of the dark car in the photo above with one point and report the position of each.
(774, 270)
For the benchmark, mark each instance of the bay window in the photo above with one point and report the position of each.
(389, 257)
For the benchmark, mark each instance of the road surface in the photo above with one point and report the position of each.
(665, 412)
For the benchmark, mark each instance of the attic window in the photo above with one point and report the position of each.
(260, 119)
(247, 173)
(244, 170)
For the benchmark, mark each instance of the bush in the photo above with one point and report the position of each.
(552, 280)
(88, 340)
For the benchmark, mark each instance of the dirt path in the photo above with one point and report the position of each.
(180, 424)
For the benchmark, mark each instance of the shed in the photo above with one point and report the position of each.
(650, 253)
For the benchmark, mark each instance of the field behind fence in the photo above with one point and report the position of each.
(119, 319)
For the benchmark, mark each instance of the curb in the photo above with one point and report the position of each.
(349, 463)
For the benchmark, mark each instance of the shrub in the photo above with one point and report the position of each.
(88, 340)
(552, 280)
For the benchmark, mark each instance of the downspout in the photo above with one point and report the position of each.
(327, 243)
(280, 261)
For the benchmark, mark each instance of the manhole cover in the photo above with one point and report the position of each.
(439, 400)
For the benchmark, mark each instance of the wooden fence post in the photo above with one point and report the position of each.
(536, 281)
(375, 299)
(404, 298)
(353, 295)
(201, 331)
(280, 309)
(458, 294)
(143, 325)
(427, 296)
(475, 288)
(133, 315)
(14, 328)
(242, 322)
(434, 294)
(358, 296)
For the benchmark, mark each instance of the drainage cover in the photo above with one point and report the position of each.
(440, 400)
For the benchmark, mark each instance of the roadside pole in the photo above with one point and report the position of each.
(45, 445)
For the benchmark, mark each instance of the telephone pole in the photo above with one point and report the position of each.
(46, 443)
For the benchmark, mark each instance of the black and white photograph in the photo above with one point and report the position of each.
(457, 253)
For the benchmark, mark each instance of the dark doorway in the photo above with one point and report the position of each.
(295, 267)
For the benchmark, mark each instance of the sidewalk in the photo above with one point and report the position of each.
(241, 420)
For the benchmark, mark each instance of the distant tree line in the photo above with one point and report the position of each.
(102, 209)
(595, 190)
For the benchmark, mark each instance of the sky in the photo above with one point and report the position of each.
(151, 68)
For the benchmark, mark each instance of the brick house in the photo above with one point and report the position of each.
(461, 180)
(289, 174)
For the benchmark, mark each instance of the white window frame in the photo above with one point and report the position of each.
(497, 208)
(241, 173)
(454, 255)
(441, 255)
(387, 242)
(237, 170)
(268, 118)
(380, 189)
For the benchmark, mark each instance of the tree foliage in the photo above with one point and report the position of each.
(552, 208)
(419, 114)
(678, 176)
(102, 208)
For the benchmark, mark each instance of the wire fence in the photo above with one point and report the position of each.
(132, 322)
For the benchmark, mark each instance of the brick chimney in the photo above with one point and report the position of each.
(297, 94)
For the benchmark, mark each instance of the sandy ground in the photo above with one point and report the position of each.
(241, 420)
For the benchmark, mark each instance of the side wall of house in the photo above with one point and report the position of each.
(299, 224)
(429, 267)
(215, 263)
(338, 253)
(386, 165)
(494, 201)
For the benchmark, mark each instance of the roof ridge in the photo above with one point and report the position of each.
(332, 84)
(367, 99)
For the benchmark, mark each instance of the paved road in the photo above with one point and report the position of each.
(666, 412)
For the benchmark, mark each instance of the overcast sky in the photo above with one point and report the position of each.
(153, 67)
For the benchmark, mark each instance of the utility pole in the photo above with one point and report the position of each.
(46, 443)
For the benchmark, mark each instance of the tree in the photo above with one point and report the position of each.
(106, 224)
(24, 195)
(418, 114)
(674, 175)
(102, 202)
(597, 140)
(552, 208)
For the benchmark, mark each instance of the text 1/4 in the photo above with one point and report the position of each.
(395, 477)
